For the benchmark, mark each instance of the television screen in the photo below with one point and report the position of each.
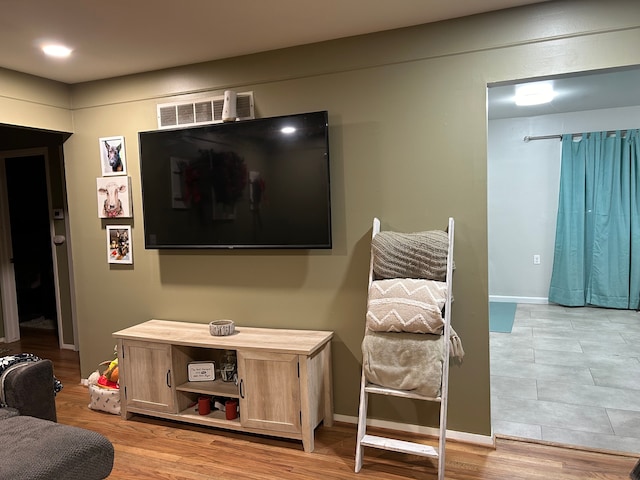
(260, 183)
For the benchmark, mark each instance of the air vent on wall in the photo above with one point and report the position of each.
(202, 111)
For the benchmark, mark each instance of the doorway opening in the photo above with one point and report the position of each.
(563, 375)
(31, 243)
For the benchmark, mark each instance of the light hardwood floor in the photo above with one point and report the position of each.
(154, 449)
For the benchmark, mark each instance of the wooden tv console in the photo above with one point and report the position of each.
(284, 377)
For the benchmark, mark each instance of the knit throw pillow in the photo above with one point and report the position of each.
(410, 255)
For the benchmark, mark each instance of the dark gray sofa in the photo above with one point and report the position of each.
(34, 446)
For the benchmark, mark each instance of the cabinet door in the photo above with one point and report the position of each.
(269, 391)
(148, 376)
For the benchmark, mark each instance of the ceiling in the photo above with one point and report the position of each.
(124, 37)
(121, 37)
(579, 92)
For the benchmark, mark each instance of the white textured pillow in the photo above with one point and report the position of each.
(406, 305)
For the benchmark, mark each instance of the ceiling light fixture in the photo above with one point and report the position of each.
(58, 51)
(534, 93)
(288, 130)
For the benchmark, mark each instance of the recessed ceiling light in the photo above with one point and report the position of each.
(58, 51)
(534, 93)
(288, 130)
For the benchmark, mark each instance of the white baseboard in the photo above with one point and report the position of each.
(472, 438)
(504, 298)
(68, 346)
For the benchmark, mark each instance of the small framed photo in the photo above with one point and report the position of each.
(114, 197)
(119, 244)
(112, 156)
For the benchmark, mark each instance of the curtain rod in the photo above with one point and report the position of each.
(527, 138)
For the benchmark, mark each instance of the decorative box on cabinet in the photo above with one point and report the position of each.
(284, 377)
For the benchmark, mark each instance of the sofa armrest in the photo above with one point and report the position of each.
(30, 389)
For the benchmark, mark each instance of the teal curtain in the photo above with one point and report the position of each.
(597, 251)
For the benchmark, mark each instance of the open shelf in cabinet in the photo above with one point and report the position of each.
(214, 417)
(216, 388)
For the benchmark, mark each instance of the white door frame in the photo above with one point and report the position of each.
(7, 273)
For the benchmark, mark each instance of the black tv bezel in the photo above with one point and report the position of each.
(256, 246)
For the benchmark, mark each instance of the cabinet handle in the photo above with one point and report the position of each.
(241, 385)
(169, 378)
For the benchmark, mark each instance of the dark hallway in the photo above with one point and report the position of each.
(31, 241)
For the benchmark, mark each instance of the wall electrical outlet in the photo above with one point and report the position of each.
(536, 259)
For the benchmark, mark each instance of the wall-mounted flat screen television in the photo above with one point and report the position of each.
(260, 183)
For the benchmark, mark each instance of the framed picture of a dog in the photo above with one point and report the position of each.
(119, 248)
(112, 156)
(114, 197)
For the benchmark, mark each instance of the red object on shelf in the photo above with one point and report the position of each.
(204, 405)
(231, 409)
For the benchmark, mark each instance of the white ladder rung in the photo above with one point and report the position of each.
(399, 446)
(372, 388)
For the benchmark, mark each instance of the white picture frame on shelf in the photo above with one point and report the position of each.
(119, 244)
(112, 156)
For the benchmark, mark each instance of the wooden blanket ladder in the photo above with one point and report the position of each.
(365, 440)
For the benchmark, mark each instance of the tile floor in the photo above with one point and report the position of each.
(568, 375)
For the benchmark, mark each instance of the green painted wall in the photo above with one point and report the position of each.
(31, 101)
(407, 112)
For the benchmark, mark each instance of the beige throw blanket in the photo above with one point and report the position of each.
(404, 361)
(406, 305)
